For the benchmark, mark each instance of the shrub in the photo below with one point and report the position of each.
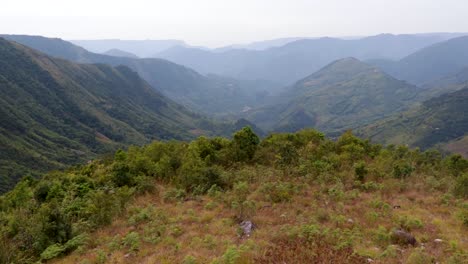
(463, 216)
(244, 144)
(402, 170)
(461, 186)
(174, 194)
(278, 192)
(231, 255)
(381, 236)
(360, 171)
(141, 215)
(418, 256)
(52, 251)
(132, 241)
(409, 223)
(189, 260)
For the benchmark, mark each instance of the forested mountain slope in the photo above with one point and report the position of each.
(436, 121)
(342, 95)
(54, 112)
(212, 95)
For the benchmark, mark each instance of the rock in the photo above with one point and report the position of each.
(351, 221)
(127, 255)
(247, 227)
(402, 237)
(369, 260)
(438, 240)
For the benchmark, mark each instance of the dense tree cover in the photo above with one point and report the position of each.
(50, 217)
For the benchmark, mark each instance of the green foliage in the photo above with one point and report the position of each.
(278, 192)
(410, 223)
(50, 217)
(418, 256)
(360, 171)
(231, 255)
(402, 170)
(461, 186)
(244, 144)
(52, 251)
(132, 241)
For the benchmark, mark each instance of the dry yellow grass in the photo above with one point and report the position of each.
(204, 227)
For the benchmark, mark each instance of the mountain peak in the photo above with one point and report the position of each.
(341, 69)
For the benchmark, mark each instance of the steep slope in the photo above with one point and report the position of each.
(342, 95)
(444, 85)
(179, 83)
(120, 53)
(297, 59)
(54, 112)
(430, 63)
(436, 121)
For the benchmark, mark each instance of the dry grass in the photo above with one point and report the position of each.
(206, 228)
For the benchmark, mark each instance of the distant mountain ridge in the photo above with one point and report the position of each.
(120, 53)
(295, 60)
(210, 95)
(431, 63)
(141, 48)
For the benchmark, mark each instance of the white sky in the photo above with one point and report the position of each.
(222, 22)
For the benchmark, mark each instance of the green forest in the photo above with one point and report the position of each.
(311, 199)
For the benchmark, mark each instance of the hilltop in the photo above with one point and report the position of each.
(308, 199)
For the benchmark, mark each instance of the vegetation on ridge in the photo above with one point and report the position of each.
(179, 202)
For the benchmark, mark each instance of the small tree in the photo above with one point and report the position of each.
(245, 144)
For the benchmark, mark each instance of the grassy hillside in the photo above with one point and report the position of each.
(54, 112)
(436, 121)
(344, 94)
(311, 200)
(209, 94)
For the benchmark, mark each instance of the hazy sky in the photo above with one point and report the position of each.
(221, 22)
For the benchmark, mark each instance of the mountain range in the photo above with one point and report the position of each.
(141, 48)
(296, 60)
(431, 63)
(208, 94)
